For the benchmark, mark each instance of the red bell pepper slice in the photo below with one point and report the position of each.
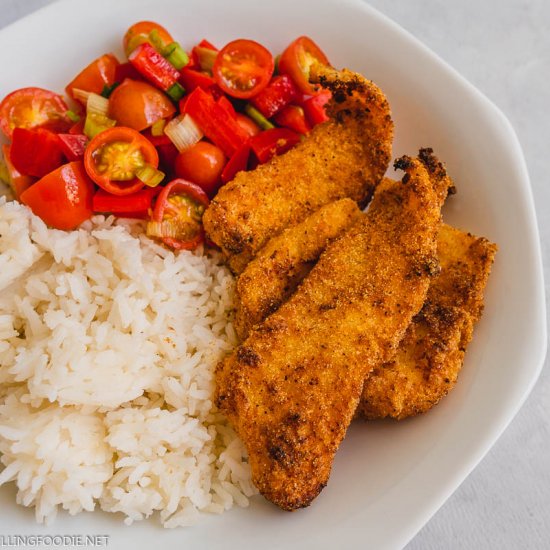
(18, 182)
(293, 117)
(226, 104)
(191, 79)
(277, 94)
(73, 145)
(275, 141)
(136, 205)
(62, 198)
(314, 107)
(237, 163)
(35, 152)
(127, 70)
(78, 127)
(150, 64)
(215, 121)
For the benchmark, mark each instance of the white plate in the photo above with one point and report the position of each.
(388, 478)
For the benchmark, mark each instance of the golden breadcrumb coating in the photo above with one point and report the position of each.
(291, 389)
(431, 354)
(277, 270)
(343, 157)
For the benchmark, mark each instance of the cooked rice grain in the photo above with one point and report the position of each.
(108, 343)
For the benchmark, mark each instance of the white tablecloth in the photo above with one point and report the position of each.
(503, 48)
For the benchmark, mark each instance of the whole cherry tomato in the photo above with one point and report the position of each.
(138, 105)
(202, 164)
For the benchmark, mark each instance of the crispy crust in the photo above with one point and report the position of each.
(292, 387)
(344, 157)
(277, 270)
(431, 354)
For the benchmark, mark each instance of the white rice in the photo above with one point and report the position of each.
(108, 343)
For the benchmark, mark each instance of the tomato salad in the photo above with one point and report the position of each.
(156, 136)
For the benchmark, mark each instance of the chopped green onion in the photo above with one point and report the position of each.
(149, 175)
(162, 229)
(72, 116)
(157, 129)
(176, 91)
(97, 105)
(176, 55)
(156, 40)
(108, 90)
(258, 118)
(183, 132)
(206, 58)
(81, 95)
(96, 124)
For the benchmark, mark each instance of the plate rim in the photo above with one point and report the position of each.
(431, 505)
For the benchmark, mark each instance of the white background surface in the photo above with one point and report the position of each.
(503, 48)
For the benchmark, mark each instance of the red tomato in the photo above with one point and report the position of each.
(202, 164)
(98, 74)
(113, 157)
(63, 198)
(139, 105)
(297, 60)
(248, 125)
(31, 108)
(243, 68)
(181, 204)
(139, 33)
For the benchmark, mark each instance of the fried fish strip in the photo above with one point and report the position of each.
(291, 389)
(343, 157)
(285, 260)
(431, 354)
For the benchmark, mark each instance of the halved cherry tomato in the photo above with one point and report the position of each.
(202, 164)
(139, 33)
(113, 157)
(297, 59)
(33, 108)
(139, 105)
(35, 151)
(181, 205)
(98, 74)
(248, 125)
(62, 198)
(243, 68)
(18, 182)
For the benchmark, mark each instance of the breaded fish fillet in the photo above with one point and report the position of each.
(279, 267)
(291, 389)
(432, 352)
(343, 157)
